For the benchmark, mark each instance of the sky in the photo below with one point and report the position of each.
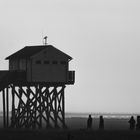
(102, 37)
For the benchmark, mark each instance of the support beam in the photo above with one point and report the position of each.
(4, 109)
(7, 104)
(38, 105)
(13, 107)
(63, 108)
(48, 108)
(55, 107)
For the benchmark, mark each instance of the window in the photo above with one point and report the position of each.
(63, 62)
(46, 62)
(38, 62)
(54, 62)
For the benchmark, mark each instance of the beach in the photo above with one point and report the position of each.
(66, 134)
(111, 121)
(79, 121)
(109, 124)
(116, 128)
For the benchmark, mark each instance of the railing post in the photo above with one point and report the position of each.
(4, 118)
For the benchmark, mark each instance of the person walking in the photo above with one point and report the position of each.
(101, 123)
(89, 122)
(132, 123)
(138, 123)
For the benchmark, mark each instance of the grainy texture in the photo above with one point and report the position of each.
(60, 134)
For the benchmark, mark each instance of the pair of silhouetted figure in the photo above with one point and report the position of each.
(132, 123)
(101, 123)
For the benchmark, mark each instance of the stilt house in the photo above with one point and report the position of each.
(41, 64)
(36, 80)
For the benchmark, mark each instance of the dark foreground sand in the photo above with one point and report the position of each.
(115, 129)
(68, 135)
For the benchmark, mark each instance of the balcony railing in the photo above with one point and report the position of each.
(71, 77)
(12, 76)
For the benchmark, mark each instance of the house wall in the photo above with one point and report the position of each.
(17, 64)
(22, 64)
(49, 66)
(29, 71)
(13, 64)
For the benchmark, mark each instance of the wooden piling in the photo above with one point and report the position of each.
(63, 107)
(13, 107)
(40, 106)
(4, 109)
(7, 104)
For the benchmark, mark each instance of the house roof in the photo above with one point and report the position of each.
(29, 51)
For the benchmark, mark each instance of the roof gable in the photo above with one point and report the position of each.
(30, 51)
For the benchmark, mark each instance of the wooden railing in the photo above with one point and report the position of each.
(71, 77)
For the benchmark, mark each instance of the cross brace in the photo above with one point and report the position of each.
(37, 106)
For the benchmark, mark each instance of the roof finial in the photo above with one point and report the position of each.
(45, 40)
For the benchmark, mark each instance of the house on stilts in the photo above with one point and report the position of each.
(33, 87)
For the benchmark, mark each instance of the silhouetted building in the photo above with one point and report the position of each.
(42, 64)
(36, 79)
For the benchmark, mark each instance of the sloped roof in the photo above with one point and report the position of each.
(29, 51)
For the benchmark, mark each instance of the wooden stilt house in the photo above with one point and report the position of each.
(42, 64)
(36, 80)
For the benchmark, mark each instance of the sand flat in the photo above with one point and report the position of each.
(10, 134)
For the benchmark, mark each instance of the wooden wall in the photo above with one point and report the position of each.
(17, 64)
(47, 66)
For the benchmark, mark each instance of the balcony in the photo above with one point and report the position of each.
(12, 76)
(71, 77)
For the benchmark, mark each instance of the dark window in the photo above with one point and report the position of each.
(46, 62)
(38, 62)
(63, 62)
(54, 62)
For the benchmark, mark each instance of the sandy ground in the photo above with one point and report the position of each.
(115, 129)
(80, 123)
(68, 135)
(110, 124)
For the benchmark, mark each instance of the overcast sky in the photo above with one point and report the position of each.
(102, 36)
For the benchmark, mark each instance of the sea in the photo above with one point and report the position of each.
(105, 115)
(112, 121)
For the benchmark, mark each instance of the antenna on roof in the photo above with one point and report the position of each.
(45, 40)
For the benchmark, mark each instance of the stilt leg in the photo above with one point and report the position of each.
(7, 100)
(4, 118)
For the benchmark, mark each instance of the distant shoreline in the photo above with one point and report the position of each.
(79, 121)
